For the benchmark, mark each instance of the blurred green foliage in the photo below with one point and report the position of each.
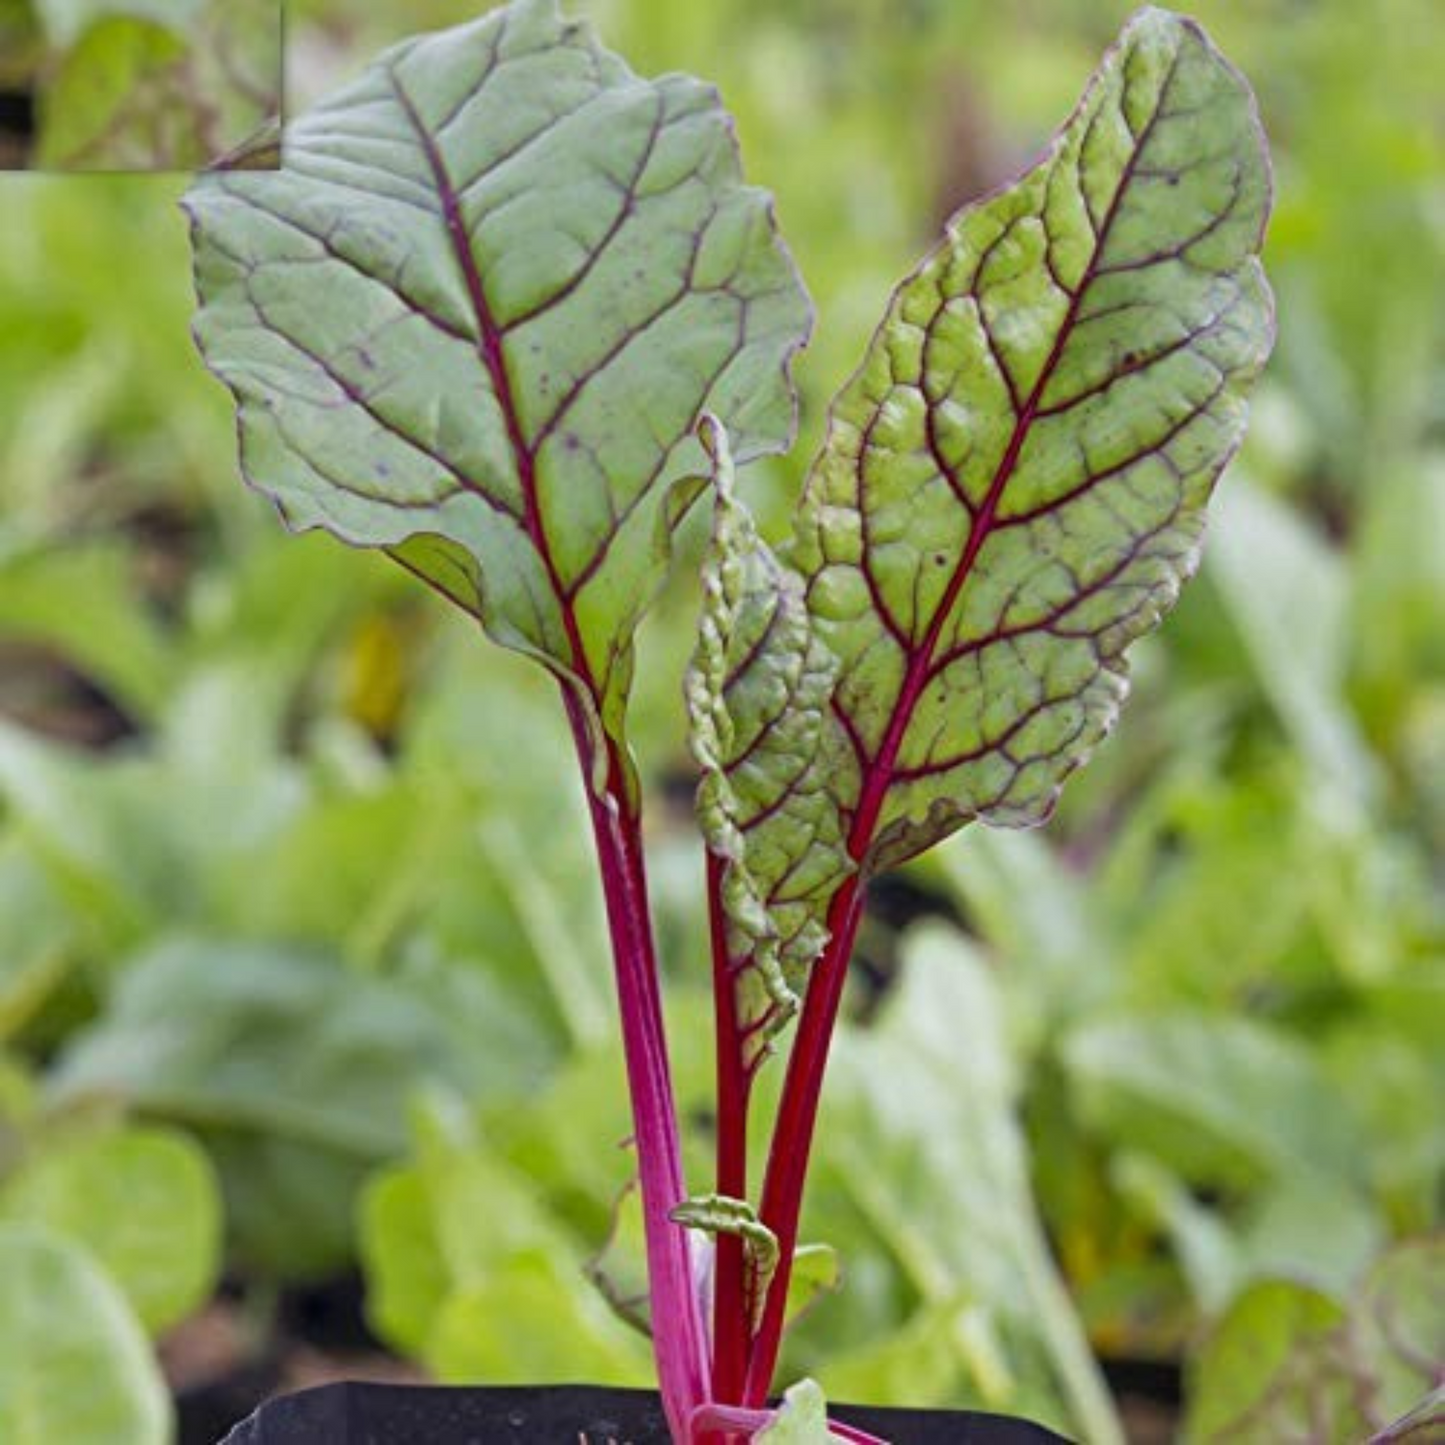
(281, 844)
(122, 85)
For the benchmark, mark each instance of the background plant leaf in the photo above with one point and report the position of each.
(1284, 1354)
(990, 1323)
(155, 84)
(1215, 1096)
(1012, 487)
(1421, 1425)
(292, 1068)
(74, 1363)
(146, 1205)
(1287, 592)
(475, 317)
(1272, 1354)
(474, 1274)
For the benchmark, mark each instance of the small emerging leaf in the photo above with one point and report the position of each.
(717, 1214)
(757, 694)
(1013, 485)
(474, 319)
(802, 1420)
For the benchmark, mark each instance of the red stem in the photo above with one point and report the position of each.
(678, 1331)
(793, 1132)
(731, 1325)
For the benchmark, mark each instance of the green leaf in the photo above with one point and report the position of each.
(1256, 1376)
(1287, 1362)
(1397, 1328)
(757, 693)
(66, 20)
(1287, 593)
(407, 1273)
(1297, 1229)
(803, 1418)
(1215, 1096)
(79, 598)
(292, 1068)
(468, 1268)
(156, 84)
(20, 56)
(284, 1041)
(36, 938)
(816, 1272)
(943, 1141)
(114, 103)
(74, 1363)
(476, 316)
(144, 1203)
(533, 1320)
(1012, 486)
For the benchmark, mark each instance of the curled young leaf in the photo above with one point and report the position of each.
(1013, 485)
(718, 1214)
(757, 694)
(474, 318)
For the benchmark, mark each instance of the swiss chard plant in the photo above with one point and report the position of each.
(507, 311)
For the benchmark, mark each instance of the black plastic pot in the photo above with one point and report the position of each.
(350, 1414)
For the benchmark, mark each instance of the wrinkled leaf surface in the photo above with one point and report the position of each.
(757, 694)
(1013, 485)
(476, 316)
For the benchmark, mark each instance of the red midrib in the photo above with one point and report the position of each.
(494, 359)
(879, 775)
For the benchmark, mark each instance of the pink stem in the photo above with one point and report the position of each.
(678, 1331)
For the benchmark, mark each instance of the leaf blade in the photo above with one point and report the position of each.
(475, 316)
(757, 692)
(74, 1362)
(1012, 486)
(146, 1205)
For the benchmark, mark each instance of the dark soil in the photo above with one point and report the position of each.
(558, 1415)
(220, 1373)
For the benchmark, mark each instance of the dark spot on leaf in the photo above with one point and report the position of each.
(570, 441)
(940, 560)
